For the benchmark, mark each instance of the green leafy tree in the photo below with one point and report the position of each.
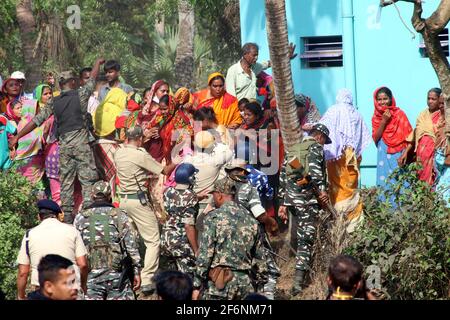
(17, 214)
(406, 238)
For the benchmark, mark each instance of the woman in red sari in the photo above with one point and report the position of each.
(424, 137)
(179, 130)
(390, 131)
(153, 123)
(225, 106)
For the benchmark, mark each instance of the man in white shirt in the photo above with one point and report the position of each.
(241, 77)
(51, 236)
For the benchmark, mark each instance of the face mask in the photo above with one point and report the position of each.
(242, 113)
(155, 99)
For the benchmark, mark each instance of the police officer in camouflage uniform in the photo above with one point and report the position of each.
(305, 159)
(178, 235)
(248, 197)
(108, 237)
(73, 122)
(229, 245)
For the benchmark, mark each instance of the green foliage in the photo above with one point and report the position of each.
(17, 213)
(161, 65)
(125, 30)
(407, 239)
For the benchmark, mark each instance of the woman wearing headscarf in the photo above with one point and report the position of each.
(424, 137)
(390, 131)
(10, 92)
(180, 127)
(42, 94)
(29, 156)
(256, 131)
(307, 111)
(265, 89)
(225, 106)
(442, 149)
(349, 136)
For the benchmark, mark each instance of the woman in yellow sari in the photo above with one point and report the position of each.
(349, 136)
(225, 106)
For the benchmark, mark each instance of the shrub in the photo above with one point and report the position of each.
(18, 212)
(407, 239)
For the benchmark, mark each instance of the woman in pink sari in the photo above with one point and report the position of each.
(424, 137)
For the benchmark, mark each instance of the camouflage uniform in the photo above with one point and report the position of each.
(230, 239)
(302, 202)
(182, 207)
(248, 197)
(75, 155)
(107, 234)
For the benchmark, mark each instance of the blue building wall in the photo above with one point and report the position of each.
(384, 55)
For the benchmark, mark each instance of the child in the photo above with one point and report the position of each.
(345, 280)
(178, 236)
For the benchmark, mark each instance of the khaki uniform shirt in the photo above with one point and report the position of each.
(50, 237)
(131, 161)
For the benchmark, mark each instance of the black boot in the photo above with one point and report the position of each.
(298, 282)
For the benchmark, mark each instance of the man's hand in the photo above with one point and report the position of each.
(195, 294)
(100, 61)
(292, 53)
(323, 199)
(136, 282)
(12, 142)
(271, 226)
(202, 195)
(282, 213)
(12, 153)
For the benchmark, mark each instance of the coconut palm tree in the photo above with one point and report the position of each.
(281, 67)
(184, 61)
(28, 31)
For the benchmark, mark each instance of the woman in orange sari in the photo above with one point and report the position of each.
(225, 106)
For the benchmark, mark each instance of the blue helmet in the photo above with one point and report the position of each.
(184, 173)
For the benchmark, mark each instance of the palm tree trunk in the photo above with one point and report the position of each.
(28, 35)
(184, 61)
(281, 67)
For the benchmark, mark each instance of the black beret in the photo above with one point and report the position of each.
(49, 205)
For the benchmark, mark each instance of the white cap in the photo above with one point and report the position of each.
(18, 75)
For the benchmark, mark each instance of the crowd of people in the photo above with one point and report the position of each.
(199, 178)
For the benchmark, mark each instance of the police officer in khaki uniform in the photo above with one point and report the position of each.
(51, 236)
(134, 164)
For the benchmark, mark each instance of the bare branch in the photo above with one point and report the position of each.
(385, 3)
(416, 20)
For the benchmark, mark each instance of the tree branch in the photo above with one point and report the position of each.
(385, 3)
(439, 19)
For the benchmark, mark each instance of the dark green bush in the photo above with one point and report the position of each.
(407, 239)
(18, 212)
